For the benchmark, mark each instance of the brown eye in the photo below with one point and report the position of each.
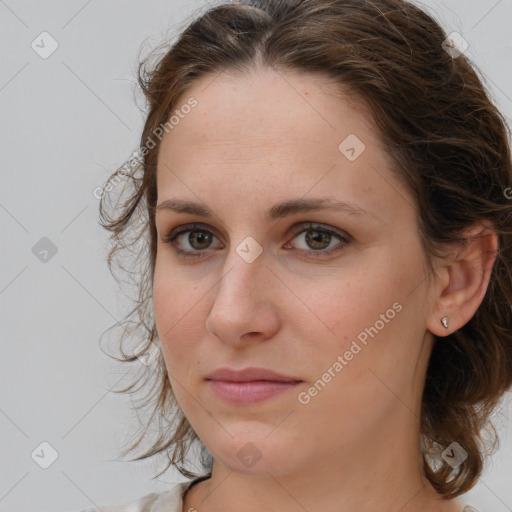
(193, 241)
(201, 238)
(190, 241)
(319, 241)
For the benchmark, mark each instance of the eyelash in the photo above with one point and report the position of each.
(345, 239)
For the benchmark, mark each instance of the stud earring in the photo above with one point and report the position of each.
(444, 321)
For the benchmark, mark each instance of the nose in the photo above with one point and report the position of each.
(244, 306)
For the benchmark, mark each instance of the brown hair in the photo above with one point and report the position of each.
(449, 144)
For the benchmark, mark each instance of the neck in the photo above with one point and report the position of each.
(382, 477)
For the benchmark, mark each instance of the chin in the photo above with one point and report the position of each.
(250, 455)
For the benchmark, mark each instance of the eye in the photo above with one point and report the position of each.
(199, 239)
(317, 240)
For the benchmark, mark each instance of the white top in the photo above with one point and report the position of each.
(172, 501)
(166, 501)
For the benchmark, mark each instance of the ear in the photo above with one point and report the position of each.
(463, 280)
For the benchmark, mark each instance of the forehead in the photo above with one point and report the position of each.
(268, 131)
(267, 108)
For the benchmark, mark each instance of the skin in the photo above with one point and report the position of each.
(255, 139)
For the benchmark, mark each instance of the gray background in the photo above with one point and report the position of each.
(67, 121)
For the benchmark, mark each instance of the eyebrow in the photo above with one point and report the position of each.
(277, 211)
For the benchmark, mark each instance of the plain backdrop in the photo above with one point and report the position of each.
(67, 120)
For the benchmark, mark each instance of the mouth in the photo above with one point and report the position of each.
(249, 391)
(249, 385)
(249, 375)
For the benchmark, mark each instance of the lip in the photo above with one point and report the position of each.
(250, 385)
(249, 374)
(249, 392)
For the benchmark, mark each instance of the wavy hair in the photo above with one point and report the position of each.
(449, 144)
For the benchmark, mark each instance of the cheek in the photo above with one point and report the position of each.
(176, 305)
(354, 369)
(377, 337)
(358, 333)
(174, 296)
(345, 308)
(165, 304)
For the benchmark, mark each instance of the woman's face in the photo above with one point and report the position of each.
(340, 306)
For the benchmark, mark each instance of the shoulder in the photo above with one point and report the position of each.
(469, 508)
(166, 501)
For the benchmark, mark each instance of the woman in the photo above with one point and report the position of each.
(322, 186)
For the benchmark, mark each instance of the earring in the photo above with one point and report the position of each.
(444, 321)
